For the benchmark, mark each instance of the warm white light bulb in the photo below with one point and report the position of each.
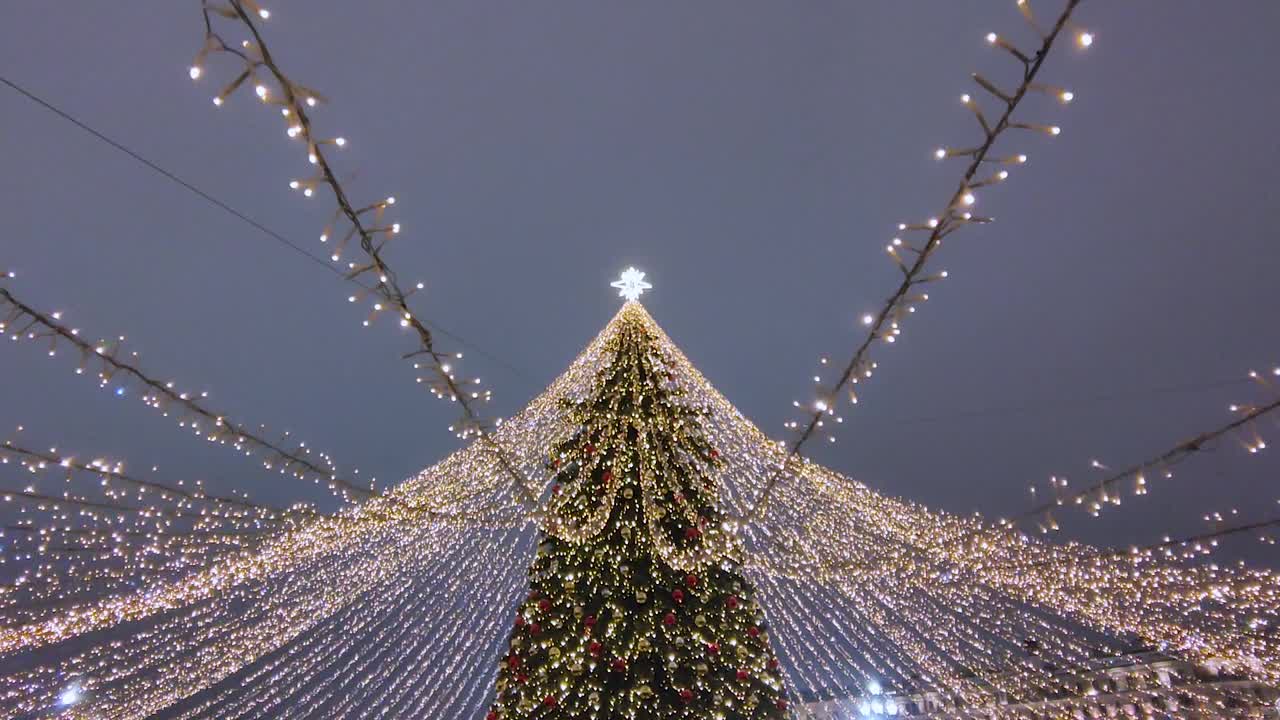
(968, 199)
(262, 91)
(340, 142)
(264, 13)
(1067, 96)
(867, 319)
(1085, 39)
(992, 38)
(194, 72)
(940, 153)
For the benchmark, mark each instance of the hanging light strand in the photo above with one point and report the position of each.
(366, 224)
(885, 325)
(26, 322)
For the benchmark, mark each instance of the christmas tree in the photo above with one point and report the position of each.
(637, 606)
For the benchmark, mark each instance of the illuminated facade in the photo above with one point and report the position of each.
(1136, 685)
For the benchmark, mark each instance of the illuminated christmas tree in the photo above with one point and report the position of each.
(637, 607)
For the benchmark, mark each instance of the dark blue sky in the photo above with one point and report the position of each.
(753, 157)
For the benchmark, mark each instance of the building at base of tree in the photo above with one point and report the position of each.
(1138, 685)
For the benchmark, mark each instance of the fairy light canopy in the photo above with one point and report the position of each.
(402, 602)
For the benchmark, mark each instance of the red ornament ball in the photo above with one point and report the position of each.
(544, 604)
(535, 629)
(677, 595)
(691, 580)
(753, 631)
(519, 621)
(782, 704)
(522, 678)
(607, 476)
(715, 453)
(549, 701)
(773, 663)
(619, 665)
(713, 648)
(686, 695)
(731, 601)
(555, 489)
(595, 648)
(743, 674)
(493, 715)
(691, 533)
(669, 620)
(589, 621)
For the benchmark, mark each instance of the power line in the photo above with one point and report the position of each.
(1061, 404)
(226, 207)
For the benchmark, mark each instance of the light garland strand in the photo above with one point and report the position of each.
(372, 235)
(1102, 493)
(24, 322)
(885, 324)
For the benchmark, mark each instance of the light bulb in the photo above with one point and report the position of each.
(194, 72)
(1085, 39)
(262, 91)
(1067, 96)
(992, 38)
(264, 13)
(940, 153)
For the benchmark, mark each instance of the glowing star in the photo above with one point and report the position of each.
(631, 285)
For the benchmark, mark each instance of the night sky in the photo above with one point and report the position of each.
(753, 157)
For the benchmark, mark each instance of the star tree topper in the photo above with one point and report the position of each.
(631, 285)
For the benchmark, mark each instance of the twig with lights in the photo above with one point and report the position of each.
(109, 472)
(26, 322)
(885, 324)
(366, 223)
(1101, 493)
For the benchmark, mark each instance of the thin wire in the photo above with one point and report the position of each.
(1059, 405)
(224, 206)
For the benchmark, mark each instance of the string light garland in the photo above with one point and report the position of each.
(886, 324)
(1104, 492)
(368, 224)
(24, 322)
